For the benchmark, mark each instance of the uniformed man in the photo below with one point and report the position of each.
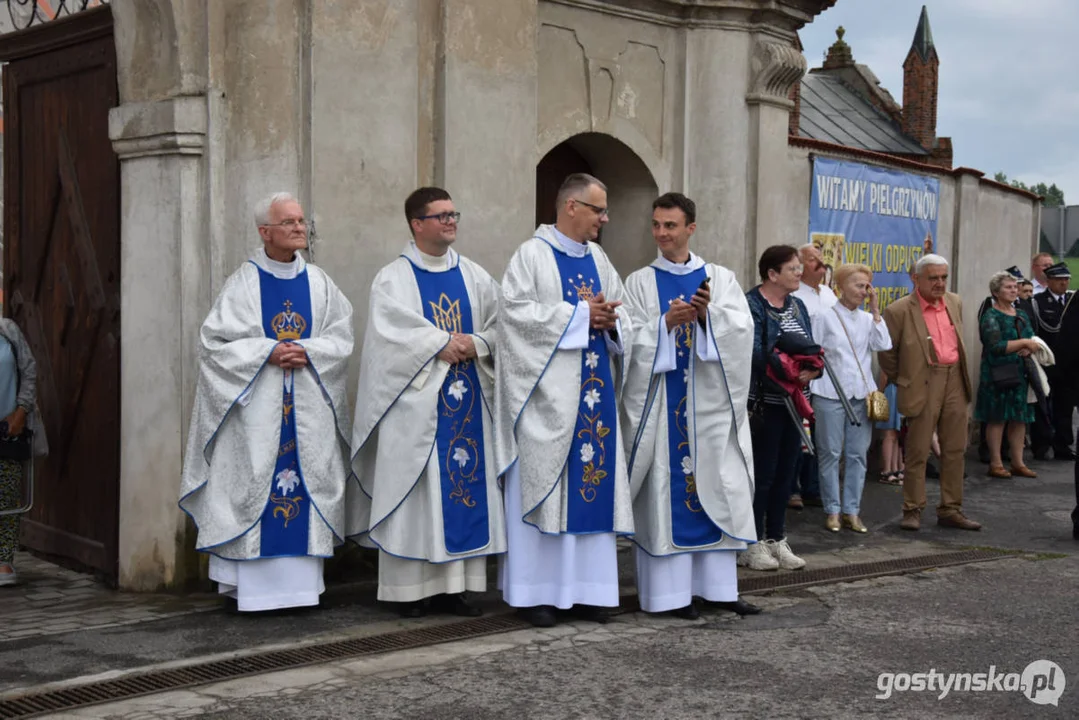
(1067, 357)
(1049, 307)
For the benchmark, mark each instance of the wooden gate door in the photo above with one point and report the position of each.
(62, 273)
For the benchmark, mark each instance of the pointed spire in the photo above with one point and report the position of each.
(923, 37)
(839, 55)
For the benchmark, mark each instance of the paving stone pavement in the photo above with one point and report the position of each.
(49, 599)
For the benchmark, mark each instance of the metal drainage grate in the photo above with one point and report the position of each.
(161, 680)
(863, 571)
(156, 681)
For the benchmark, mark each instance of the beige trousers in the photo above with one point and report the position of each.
(946, 413)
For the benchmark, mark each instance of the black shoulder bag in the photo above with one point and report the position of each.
(1007, 376)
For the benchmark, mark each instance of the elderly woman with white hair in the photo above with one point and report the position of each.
(849, 336)
(1007, 338)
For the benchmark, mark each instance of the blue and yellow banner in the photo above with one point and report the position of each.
(882, 218)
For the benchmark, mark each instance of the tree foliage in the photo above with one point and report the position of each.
(1053, 196)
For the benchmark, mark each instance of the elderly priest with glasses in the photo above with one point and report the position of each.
(265, 467)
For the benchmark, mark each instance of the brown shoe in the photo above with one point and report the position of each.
(912, 520)
(1023, 471)
(998, 471)
(795, 502)
(958, 520)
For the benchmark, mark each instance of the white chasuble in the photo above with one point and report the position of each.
(690, 457)
(559, 435)
(265, 465)
(424, 488)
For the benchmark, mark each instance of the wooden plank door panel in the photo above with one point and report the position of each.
(61, 280)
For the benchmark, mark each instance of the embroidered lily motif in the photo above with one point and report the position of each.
(591, 360)
(687, 465)
(591, 398)
(587, 453)
(458, 390)
(287, 480)
(461, 456)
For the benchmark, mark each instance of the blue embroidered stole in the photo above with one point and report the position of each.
(459, 437)
(286, 316)
(590, 469)
(690, 525)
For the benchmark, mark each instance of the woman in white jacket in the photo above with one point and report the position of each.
(848, 335)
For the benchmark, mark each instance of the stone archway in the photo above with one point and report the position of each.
(627, 238)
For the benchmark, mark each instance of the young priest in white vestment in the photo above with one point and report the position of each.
(424, 489)
(266, 461)
(687, 428)
(561, 332)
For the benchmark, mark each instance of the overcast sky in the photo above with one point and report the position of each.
(1009, 76)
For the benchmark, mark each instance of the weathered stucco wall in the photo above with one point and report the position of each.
(352, 105)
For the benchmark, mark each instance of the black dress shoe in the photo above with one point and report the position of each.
(415, 609)
(689, 612)
(540, 616)
(1063, 454)
(454, 604)
(739, 606)
(595, 614)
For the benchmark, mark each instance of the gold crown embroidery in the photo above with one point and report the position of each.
(584, 290)
(288, 325)
(446, 314)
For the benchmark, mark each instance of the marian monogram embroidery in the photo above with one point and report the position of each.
(288, 325)
(446, 314)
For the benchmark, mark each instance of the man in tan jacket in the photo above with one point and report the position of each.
(928, 364)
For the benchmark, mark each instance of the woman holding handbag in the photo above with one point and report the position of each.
(1002, 388)
(848, 334)
(18, 384)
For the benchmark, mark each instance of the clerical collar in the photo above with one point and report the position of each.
(569, 245)
(693, 264)
(280, 270)
(432, 263)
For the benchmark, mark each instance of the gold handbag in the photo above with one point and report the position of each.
(876, 402)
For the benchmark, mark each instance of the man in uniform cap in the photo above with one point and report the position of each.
(1048, 308)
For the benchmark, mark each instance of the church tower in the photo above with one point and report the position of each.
(920, 71)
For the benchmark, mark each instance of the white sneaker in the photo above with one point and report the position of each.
(786, 559)
(757, 557)
(8, 578)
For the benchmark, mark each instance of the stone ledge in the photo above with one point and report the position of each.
(176, 126)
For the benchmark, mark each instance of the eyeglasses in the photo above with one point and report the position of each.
(601, 211)
(443, 218)
(288, 224)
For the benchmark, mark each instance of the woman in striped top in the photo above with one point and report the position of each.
(776, 440)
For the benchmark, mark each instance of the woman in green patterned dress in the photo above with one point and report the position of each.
(1006, 340)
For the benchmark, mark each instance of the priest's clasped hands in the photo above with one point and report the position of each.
(458, 349)
(288, 356)
(683, 313)
(602, 314)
